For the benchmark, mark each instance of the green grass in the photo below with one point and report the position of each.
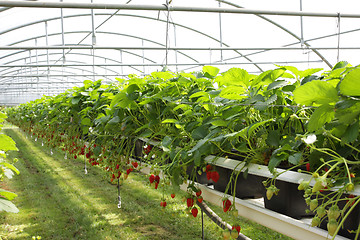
(58, 201)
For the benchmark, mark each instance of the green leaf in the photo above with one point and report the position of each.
(132, 88)
(295, 158)
(87, 83)
(8, 195)
(320, 116)
(234, 76)
(316, 92)
(162, 75)
(212, 71)
(273, 138)
(275, 160)
(247, 132)
(166, 143)
(308, 72)
(86, 122)
(75, 100)
(233, 92)
(200, 132)
(351, 133)
(348, 115)
(350, 85)
(221, 123)
(170, 120)
(199, 94)
(341, 64)
(277, 84)
(146, 133)
(7, 206)
(7, 144)
(114, 120)
(197, 158)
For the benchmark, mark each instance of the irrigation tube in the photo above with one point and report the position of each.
(164, 8)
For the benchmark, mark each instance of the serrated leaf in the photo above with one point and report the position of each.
(7, 144)
(233, 92)
(275, 160)
(234, 76)
(212, 71)
(162, 75)
(320, 116)
(350, 85)
(295, 158)
(199, 94)
(273, 138)
(351, 133)
(316, 92)
(7, 206)
(200, 132)
(348, 115)
(277, 84)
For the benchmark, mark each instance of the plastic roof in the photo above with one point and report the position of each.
(48, 50)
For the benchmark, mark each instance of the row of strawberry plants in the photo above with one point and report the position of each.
(283, 117)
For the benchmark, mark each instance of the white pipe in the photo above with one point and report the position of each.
(171, 8)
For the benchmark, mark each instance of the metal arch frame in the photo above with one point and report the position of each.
(3, 81)
(130, 15)
(282, 28)
(102, 32)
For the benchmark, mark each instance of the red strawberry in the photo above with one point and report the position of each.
(135, 164)
(198, 193)
(119, 174)
(208, 175)
(308, 167)
(208, 168)
(190, 202)
(237, 227)
(113, 176)
(128, 171)
(194, 211)
(200, 199)
(75, 157)
(215, 176)
(172, 195)
(117, 166)
(87, 155)
(151, 178)
(226, 205)
(163, 204)
(156, 185)
(157, 178)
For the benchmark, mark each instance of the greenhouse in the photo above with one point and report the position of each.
(207, 119)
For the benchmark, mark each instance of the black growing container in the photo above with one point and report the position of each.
(246, 187)
(289, 201)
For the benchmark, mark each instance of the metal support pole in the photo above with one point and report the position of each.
(121, 61)
(176, 59)
(301, 26)
(143, 56)
(47, 52)
(220, 29)
(93, 26)
(62, 32)
(338, 33)
(119, 197)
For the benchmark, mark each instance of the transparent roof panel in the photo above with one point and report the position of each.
(47, 50)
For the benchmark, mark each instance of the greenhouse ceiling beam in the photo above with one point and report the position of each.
(169, 8)
(87, 47)
(137, 16)
(150, 65)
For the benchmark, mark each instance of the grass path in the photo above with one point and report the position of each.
(58, 201)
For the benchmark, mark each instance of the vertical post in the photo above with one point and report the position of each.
(93, 62)
(121, 61)
(143, 56)
(47, 55)
(301, 26)
(221, 40)
(62, 32)
(93, 26)
(176, 59)
(338, 46)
